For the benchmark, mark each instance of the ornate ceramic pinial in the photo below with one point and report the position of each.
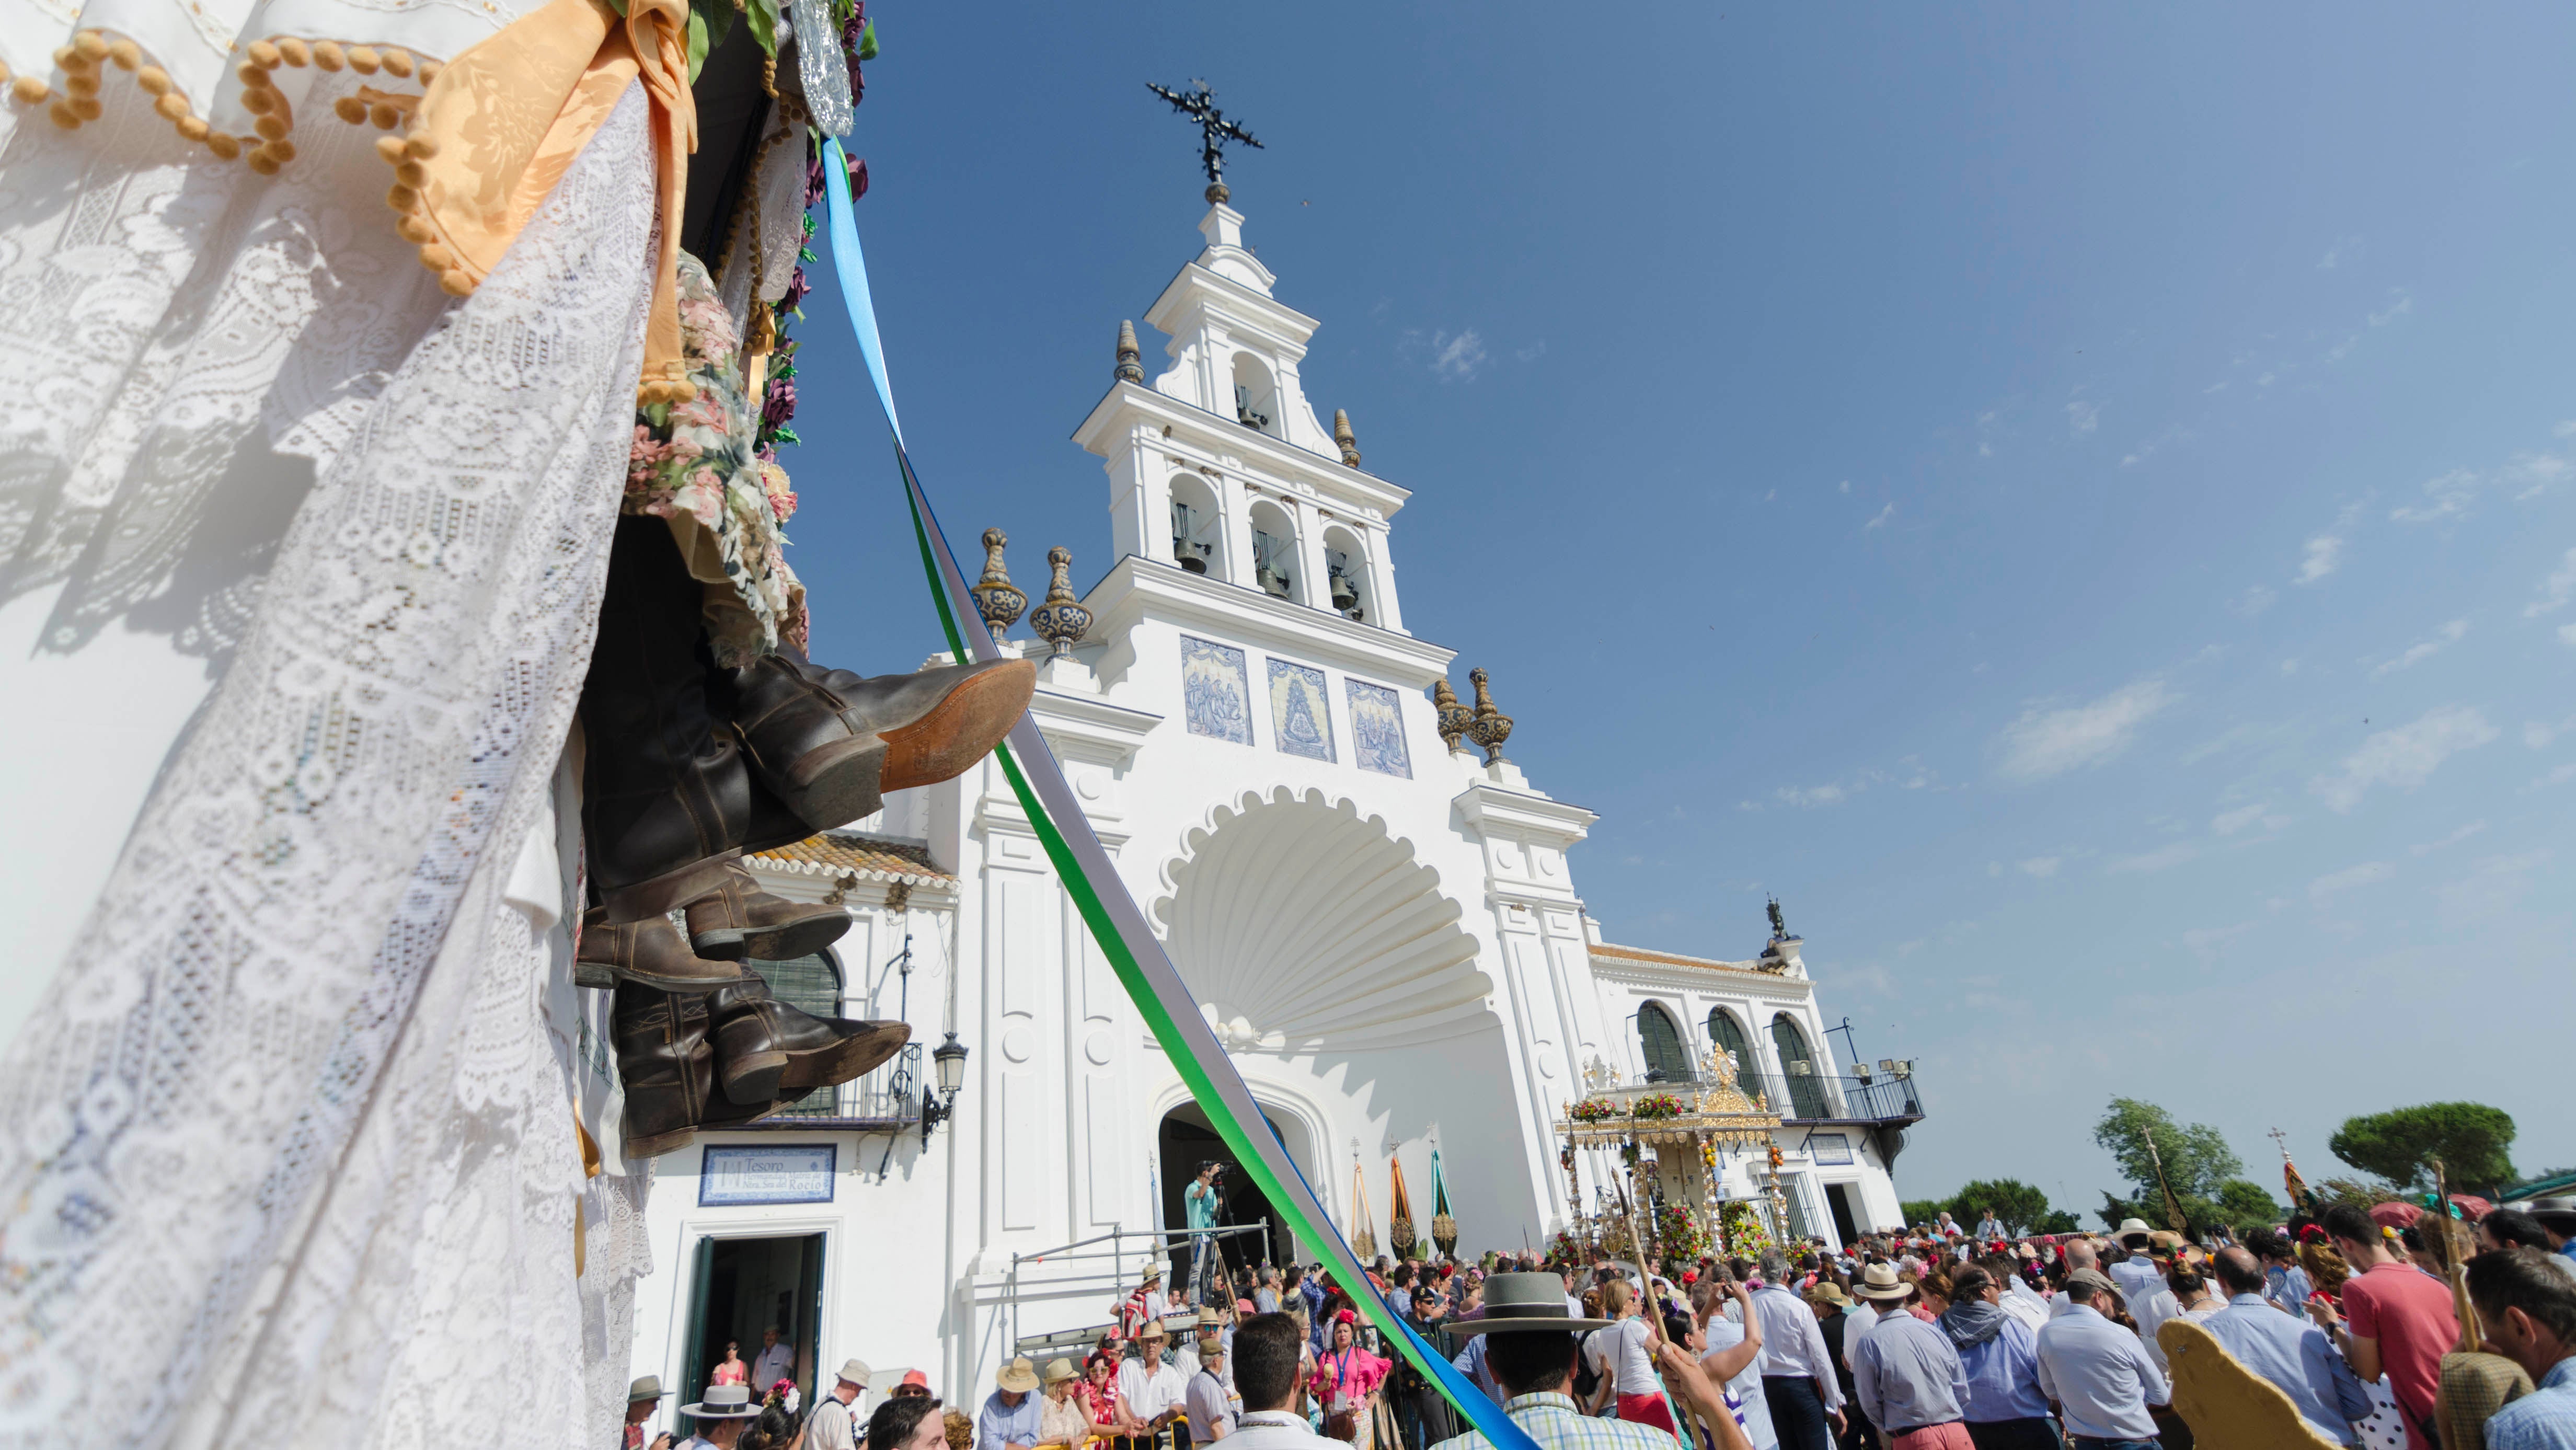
(1454, 717)
(1492, 727)
(1062, 619)
(995, 597)
(1342, 435)
(1131, 368)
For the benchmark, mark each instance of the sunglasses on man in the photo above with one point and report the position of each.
(915, 1392)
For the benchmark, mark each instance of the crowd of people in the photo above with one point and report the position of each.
(2385, 1328)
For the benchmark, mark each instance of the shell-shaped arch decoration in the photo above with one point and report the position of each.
(1306, 927)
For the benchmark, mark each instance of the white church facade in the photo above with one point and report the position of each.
(1381, 923)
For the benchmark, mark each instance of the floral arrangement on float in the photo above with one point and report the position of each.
(1678, 1230)
(1742, 1230)
(1592, 1110)
(1662, 1105)
(1564, 1249)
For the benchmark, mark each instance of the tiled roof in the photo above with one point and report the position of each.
(1673, 959)
(872, 858)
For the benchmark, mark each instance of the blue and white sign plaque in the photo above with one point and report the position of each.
(789, 1173)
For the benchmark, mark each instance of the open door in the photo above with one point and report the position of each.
(1838, 1198)
(694, 1363)
(809, 1334)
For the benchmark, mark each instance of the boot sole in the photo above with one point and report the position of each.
(965, 727)
(658, 895)
(777, 944)
(833, 785)
(851, 1058)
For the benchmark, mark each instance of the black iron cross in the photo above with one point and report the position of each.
(1199, 104)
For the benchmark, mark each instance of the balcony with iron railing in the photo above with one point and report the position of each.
(1882, 1099)
(885, 1100)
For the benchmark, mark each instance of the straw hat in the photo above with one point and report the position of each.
(1059, 1370)
(1019, 1376)
(1827, 1292)
(1881, 1281)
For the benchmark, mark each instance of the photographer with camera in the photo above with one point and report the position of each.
(1201, 1203)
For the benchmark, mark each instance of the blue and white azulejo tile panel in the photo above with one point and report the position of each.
(1377, 729)
(1301, 716)
(1216, 694)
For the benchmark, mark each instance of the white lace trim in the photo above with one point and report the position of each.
(289, 1131)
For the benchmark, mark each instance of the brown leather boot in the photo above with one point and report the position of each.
(649, 953)
(831, 743)
(667, 1066)
(666, 799)
(738, 920)
(766, 1049)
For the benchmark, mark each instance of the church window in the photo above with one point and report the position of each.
(1197, 532)
(1256, 397)
(1728, 1034)
(1346, 574)
(810, 984)
(1274, 552)
(1805, 1074)
(1666, 1059)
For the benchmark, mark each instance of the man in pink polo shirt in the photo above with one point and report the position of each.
(2397, 1320)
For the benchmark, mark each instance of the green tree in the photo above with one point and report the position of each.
(2473, 1141)
(2020, 1206)
(1922, 1210)
(2244, 1204)
(2196, 1163)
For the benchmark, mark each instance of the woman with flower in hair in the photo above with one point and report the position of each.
(1346, 1382)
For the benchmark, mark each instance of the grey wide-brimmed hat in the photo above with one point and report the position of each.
(1519, 1302)
(2556, 1212)
(647, 1388)
(723, 1402)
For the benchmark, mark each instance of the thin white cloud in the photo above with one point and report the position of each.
(1880, 518)
(2393, 311)
(2322, 556)
(2533, 473)
(2228, 823)
(2253, 601)
(2404, 757)
(2326, 888)
(2045, 743)
(2202, 940)
(2567, 635)
(2538, 733)
(2447, 496)
(2443, 638)
(1844, 486)
(2042, 867)
(2156, 860)
(1827, 794)
(1456, 358)
(2555, 590)
(2082, 417)
(2560, 776)
(2427, 848)
(2493, 884)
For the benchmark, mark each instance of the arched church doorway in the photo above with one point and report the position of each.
(1187, 1143)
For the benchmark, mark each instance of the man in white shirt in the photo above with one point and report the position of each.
(1269, 1371)
(1798, 1380)
(1205, 1401)
(1155, 1392)
(775, 1362)
(1989, 1227)
(833, 1424)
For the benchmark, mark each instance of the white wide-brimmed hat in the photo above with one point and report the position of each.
(723, 1402)
(1881, 1281)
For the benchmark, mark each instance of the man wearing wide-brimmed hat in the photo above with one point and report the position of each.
(1011, 1419)
(642, 1398)
(1905, 1373)
(721, 1417)
(1155, 1392)
(1530, 1347)
(834, 1424)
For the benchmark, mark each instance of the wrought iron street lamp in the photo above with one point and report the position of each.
(948, 1069)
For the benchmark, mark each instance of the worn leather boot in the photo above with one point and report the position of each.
(666, 800)
(650, 953)
(667, 1066)
(766, 1049)
(738, 920)
(831, 743)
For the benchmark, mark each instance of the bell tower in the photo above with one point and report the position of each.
(1220, 467)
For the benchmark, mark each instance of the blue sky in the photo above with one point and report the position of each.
(2079, 502)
